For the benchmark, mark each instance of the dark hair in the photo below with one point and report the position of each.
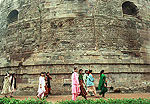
(75, 68)
(102, 71)
(7, 73)
(86, 71)
(90, 71)
(13, 78)
(13, 74)
(80, 70)
(41, 73)
(47, 72)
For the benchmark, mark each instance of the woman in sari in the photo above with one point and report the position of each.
(6, 85)
(102, 84)
(82, 84)
(46, 86)
(48, 82)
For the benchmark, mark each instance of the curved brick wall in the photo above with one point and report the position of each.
(57, 35)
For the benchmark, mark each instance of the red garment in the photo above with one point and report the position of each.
(46, 87)
(49, 89)
(83, 91)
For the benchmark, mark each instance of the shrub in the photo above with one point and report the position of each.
(27, 101)
(98, 101)
(108, 101)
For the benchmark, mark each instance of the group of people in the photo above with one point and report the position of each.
(81, 84)
(84, 84)
(9, 85)
(44, 85)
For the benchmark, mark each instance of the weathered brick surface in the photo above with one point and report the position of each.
(56, 35)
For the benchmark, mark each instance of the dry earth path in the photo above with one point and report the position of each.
(55, 98)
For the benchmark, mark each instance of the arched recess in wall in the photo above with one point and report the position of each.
(12, 16)
(130, 8)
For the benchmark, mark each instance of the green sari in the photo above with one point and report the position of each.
(101, 86)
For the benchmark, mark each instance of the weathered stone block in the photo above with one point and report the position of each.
(56, 35)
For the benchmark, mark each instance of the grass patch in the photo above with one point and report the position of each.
(108, 101)
(98, 101)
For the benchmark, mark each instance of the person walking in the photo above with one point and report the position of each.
(102, 84)
(85, 76)
(41, 88)
(75, 84)
(12, 84)
(6, 85)
(82, 84)
(90, 84)
(48, 82)
(46, 85)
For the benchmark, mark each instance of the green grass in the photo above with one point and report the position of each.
(108, 101)
(98, 101)
(27, 101)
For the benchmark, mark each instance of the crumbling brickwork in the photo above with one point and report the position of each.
(56, 35)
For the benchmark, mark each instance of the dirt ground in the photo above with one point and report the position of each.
(55, 98)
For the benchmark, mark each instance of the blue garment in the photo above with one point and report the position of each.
(90, 80)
